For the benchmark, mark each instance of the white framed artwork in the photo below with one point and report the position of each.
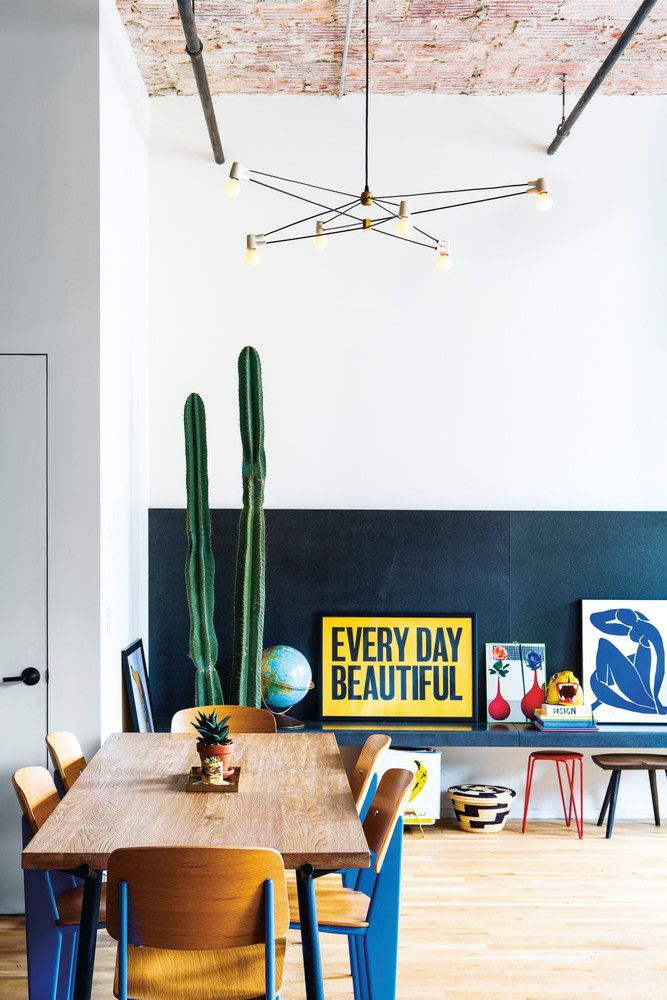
(623, 650)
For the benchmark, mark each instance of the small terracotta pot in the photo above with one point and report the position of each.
(215, 762)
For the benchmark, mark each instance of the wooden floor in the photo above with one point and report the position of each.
(496, 916)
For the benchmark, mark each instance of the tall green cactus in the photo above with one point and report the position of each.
(199, 564)
(246, 686)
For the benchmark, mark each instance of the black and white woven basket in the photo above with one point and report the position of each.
(481, 808)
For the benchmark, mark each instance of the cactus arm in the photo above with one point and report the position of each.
(199, 564)
(250, 560)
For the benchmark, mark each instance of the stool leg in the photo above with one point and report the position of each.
(654, 796)
(529, 781)
(607, 796)
(612, 803)
(562, 797)
(578, 815)
(573, 802)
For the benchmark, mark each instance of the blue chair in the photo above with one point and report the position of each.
(368, 914)
(197, 923)
(363, 784)
(52, 899)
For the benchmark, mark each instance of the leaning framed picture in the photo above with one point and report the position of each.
(136, 686)
(416, 668)
(515, 673)
(623, 647)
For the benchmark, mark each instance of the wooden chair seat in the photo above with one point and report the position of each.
(336, 906)
(631, 761)
(222, 974)
(69, 906)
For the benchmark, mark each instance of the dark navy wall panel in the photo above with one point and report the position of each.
(523, 572)
(559, 557)
(327, 561)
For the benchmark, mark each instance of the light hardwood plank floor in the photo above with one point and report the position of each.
(498, 916)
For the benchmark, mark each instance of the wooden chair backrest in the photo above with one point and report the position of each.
(243, 720)
(369, 757)
(196, 898)
(67, 757)
(388, 805)
(37, 794)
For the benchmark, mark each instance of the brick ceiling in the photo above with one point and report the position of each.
(296, 46)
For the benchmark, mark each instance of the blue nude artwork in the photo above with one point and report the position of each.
(624, 660)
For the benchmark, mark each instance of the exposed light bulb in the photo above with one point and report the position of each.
(253, 258)
(404, 222)
(443, 261)
(320, 241)
(543, 201)
(232, 187)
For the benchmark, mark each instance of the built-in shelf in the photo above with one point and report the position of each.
(497, 735)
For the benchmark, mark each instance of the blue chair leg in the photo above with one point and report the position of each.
(67, 962)
(362, 985)
(380, 943)
(354, 966)
(43, 938)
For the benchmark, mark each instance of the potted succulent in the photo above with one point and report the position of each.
(214, 747)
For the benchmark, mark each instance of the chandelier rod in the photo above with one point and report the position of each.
(423, 194)
(309, 236)
(406, 239)
(317, 215)
(290, 180)
(477, 201)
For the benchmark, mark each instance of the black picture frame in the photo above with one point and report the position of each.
(401, 719)
(137, 688)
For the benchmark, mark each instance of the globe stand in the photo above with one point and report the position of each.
(288, 722)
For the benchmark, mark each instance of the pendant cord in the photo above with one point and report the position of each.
(367, 88)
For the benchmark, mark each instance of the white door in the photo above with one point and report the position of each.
(23, 620)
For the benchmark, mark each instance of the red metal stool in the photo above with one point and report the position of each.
(567, 758)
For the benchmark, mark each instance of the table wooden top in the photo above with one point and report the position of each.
(294, 796)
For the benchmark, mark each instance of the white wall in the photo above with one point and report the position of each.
(73, 285)
(49, 290)
(123, 357)
(530, 376)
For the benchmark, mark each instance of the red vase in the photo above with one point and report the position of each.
(499, 708)
(532, 699)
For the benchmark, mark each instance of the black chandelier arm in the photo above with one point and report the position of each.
(424, 194)
(300, 197)
(291, 180)
(405, 239)
(393, 215)
(310, 236)
(462, 204)
(309, 218)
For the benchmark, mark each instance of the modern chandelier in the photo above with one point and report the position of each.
(379, 211)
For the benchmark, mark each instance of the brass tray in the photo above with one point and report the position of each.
(230, 784)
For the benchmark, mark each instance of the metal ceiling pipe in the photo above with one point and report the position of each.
(619, 48)
(194, 48)
(346, 48)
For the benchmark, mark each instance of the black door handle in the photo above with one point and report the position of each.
(29, 676)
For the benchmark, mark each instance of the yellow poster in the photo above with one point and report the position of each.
(390, 667)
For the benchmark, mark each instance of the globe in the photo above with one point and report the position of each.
(286, 678)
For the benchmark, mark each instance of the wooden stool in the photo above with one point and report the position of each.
(650, 762)
(566, 757)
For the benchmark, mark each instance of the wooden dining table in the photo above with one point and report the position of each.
(293, 796)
